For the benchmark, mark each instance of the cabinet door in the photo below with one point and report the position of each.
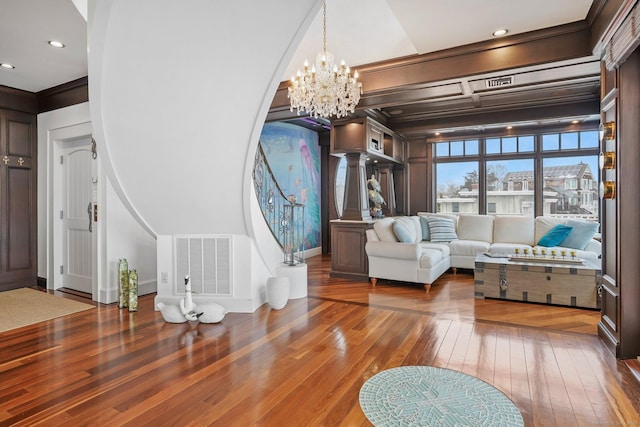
(18, 215)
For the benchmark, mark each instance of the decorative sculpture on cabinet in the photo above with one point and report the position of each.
(374, 191)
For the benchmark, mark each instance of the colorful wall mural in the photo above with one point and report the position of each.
(293, 153)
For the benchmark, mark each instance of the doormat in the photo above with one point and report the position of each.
(25, 306)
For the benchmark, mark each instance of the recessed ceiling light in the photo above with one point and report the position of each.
(509, 127)
(575, 122)
(56, 43)
(394, 112)
(5, 65)
(501, 32)
(437, 133)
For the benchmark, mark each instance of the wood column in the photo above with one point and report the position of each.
(356, 202)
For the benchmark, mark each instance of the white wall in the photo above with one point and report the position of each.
(125, 238)
(179, 93)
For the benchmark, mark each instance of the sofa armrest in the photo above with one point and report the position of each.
(594, 246)
(395, 250)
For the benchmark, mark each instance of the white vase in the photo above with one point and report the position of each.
(277, 292)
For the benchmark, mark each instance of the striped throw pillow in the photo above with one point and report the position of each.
(442, 229)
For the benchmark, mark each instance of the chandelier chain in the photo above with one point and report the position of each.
(324, 27)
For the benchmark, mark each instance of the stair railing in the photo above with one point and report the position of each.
(282, 214)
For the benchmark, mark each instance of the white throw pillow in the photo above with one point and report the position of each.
(384, 230)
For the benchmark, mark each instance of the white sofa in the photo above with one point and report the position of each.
(423, 261)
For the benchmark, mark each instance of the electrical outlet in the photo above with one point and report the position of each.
(164, 277)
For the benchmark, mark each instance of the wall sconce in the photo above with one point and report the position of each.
(607, 160)
(607, 190)
(607, 131)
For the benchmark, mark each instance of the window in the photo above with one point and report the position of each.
(502, 172)
(457, 187)
(457, 148)
(570, 183)
(561, 195)
(570, 141)
(512, 144)
(507, 184)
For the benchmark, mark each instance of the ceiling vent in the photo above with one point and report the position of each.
(499, 81)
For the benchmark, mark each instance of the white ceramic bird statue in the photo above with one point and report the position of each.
(171, 313)
(211, 312)
(187, 306)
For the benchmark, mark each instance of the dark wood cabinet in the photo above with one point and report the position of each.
(348, 257)
(18, 200)
(365, 135)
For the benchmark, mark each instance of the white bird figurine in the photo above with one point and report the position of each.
(211, 312)
(187, 306)
(171, 313)
(187, 310)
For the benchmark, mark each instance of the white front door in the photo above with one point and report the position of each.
(79, 175)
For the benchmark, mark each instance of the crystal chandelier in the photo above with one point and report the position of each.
(325, 89)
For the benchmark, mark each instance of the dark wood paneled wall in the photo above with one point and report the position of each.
(64, 95)
(18, 100)
(628, 228)
(401, 75)
(71, 93)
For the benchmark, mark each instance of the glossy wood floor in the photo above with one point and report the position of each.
(304, 365)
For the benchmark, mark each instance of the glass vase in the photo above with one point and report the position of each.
(123, 283)
(133, 290)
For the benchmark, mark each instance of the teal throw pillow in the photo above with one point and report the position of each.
(424, 224)
(581, 234)
(442, 229)
(555, 236)
(402, 233)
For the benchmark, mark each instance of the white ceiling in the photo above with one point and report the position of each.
(359, 31)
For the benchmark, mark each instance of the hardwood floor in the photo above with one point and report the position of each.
(304, 365)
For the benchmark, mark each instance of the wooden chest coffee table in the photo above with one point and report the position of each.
(574, 285)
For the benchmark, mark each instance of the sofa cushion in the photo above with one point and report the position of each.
(468, 247)
(580, 235)
(430, 258)
(513, 229)
(439, 246)
(475, 227)
(384, 230)
(556, 235)
(507, 248)
(442, 229)
(402, 233)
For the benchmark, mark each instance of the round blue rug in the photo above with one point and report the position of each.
(429, 396)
